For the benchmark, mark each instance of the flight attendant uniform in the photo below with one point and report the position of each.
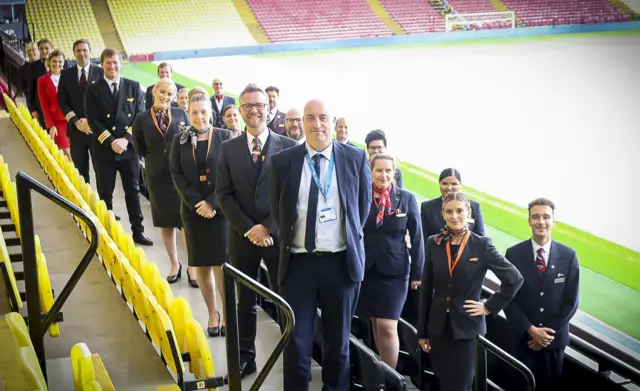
(453, 274)
(53, 115)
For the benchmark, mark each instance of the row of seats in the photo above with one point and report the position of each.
(166, 320)
(8, 188)
(317, 20)
(63, 22)
(177, 24)
(89, 373)
(545, 12)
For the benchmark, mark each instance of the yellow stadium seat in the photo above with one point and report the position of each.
(91, 386)
(46, 294)
(201, 364)
(150, 274)
(163, 292)
(81, 366)
(102, 376)
(180, 313)
(31, 369)
(15, 300)
(19, 329)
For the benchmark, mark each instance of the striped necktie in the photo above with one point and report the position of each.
(540, 263)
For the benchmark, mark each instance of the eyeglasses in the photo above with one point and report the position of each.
(292, 120)
(249, 106)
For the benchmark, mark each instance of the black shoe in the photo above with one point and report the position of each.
(193, 283)
(117, 217)
(246, 369)
(214, 331)
(173, 279)
(142, 238)
(223, 331)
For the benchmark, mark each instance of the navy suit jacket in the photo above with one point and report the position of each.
(354, 187)
(218, 122)
(432, 220)
(386, 247)
(440, 291)
(557, 295)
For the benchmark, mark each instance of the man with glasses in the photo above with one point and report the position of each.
(242, 192)
(218, 102)
(376, 142)
(292, 126)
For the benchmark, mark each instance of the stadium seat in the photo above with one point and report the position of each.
(559, 12)
(415, 16)
(178, 24)
(63, 22)
(317, 20)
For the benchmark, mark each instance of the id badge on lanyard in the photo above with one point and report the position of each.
(326, 214)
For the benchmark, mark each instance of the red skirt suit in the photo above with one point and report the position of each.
(53, 115)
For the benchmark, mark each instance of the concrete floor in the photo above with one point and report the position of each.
(96, 314)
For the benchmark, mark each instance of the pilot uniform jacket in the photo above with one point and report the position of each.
(386, 247)
(155, 147)
(551, 303)
(442, 294)
(433, 222)
(70, 96)
(111, 120)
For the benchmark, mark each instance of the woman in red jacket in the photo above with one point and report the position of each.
(48, 96)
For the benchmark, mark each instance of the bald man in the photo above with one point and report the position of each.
(320, 196)
(293, 126)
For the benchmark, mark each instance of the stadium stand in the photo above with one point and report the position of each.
(415, 16)
(472, 6)
(317, 20)
(147, 26)
(167, 321)
(63, 22)
(560, 12)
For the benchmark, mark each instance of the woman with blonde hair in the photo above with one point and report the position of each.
(153, 134)
(194, 161)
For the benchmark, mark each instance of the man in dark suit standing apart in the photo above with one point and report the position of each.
(71, 89)
(164, 71)
(111, 105)
(242, 193)
(218, 102)
(539, 314)
(275, 118)
(320, 196)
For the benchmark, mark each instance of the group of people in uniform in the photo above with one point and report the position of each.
(331, 221)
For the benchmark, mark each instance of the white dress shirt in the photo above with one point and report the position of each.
(110, 83)
(330, 235)
(86, 73)
(545, 254)
(262, 137)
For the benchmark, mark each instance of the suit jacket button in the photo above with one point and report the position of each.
(208, 170)
(165, 150)
(129, 115)
(541, 293)
(448, 299)
(209, 183)
(449, 285)
(114, 128)
(541, 309)
(108, 115)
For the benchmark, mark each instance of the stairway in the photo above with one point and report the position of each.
(382, 13)
(107, 26)
(629, 7)
(249, 19)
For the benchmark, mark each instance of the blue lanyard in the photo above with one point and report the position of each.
(316, 179)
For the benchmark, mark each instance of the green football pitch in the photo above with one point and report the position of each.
(608, 273)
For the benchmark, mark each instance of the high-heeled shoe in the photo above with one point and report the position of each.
(214, 331)
(173, 279)
(193, 283)
(223, 331)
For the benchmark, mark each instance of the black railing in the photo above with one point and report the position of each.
(482, 345)
(39, 325)
(231, 275)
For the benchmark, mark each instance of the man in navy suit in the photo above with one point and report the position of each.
(539, 315)
(218, 102)
(320, 196)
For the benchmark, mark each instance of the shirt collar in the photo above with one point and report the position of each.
(546, 247)
(86, 69)
(326, 153)
(262, 137)
(110, 82)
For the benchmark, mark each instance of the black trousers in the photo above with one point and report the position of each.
(546, 366)
(81, 152)
(246, 257)
(129, 170)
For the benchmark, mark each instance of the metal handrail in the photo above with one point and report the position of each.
(38, 326)
(231, 274)
(481, 346)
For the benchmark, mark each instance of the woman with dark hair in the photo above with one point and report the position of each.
(194, 164)
(451, 313)
(231, 117)
(431, 211)
(389, 272)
